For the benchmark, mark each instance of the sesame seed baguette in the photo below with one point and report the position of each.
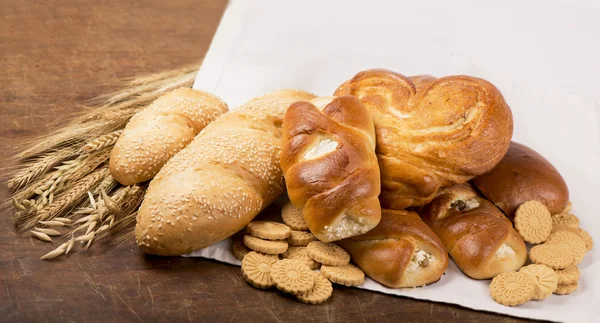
(161, 130)
(220, 182)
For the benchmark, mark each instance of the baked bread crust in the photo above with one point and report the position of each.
(480, 239)
(523, 175)
(401, 251)
(219, 182)
(330, 168)
(159, 131)
(431, 132)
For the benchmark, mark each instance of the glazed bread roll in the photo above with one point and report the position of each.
(220, 182)
(431, 132)
(480, 239)
(523, 175)
(330, 168)
(401, 251)
(159, 131)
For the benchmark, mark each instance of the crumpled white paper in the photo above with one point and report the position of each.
(542, 55)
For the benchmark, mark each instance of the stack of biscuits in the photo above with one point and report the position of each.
(559, 246)
(284, 256)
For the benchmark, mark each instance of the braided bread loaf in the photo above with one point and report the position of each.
(330, 168)
(431, 132)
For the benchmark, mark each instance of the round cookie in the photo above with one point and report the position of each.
(347, 275)
(587, 239)
(319, 293)
(555, 256)
(256, 268)
(568, 207)
(268, 230)
(573, 241)
(566, 289)
(533, 222)
(512, 288)
(566, 219)
(301, 254)
(239, 249)
(265, 246)
(293, 218)
(300, 238)
(544, 278)
(292, 276)
(328, 253)
(568, 276)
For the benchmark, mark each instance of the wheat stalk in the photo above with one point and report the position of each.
(102, 142)
(34, 169)
(70, 197)
(52, 176)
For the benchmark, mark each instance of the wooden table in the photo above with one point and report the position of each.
(55, 54)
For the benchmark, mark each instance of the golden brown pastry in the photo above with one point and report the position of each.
(330, 168)
(480, 239)
(523, 175)
(431, 132)
(401, 251)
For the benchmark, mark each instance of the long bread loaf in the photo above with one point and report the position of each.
(220, 182)
(161, 130)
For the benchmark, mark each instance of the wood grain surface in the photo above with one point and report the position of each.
(55, 55)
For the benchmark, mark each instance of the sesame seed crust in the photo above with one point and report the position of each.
(158, 132)
(220, 181)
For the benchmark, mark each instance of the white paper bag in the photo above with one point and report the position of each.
(543, 55)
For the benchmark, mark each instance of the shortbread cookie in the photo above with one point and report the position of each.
(512, 288)
(272, 247)
(587, 239)
(301, 254)
(568, 276)
(566, 289)
(555, 256)
(328, 253)
(566, 219)
(533, 222)
(256, 269)
(573, 241)
(268, 230)
(239, 249)
(544, 278)
(347, 275)
(293, 218)
(568, 207)
(319, 293)
(292, 276)
(300, 238)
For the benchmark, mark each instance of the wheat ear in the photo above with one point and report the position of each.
(68, 199)
(32, 170)
(102, 142)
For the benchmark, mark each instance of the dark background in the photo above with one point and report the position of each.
(56, 54)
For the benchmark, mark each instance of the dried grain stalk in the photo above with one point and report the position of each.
(67, 200)
(102, 142)
(54, 174)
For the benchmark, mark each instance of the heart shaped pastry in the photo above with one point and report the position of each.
(431, 132)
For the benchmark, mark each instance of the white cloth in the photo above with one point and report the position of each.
(543, 55)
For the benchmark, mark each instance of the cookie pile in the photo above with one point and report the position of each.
(560, 245)
(285, 255)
